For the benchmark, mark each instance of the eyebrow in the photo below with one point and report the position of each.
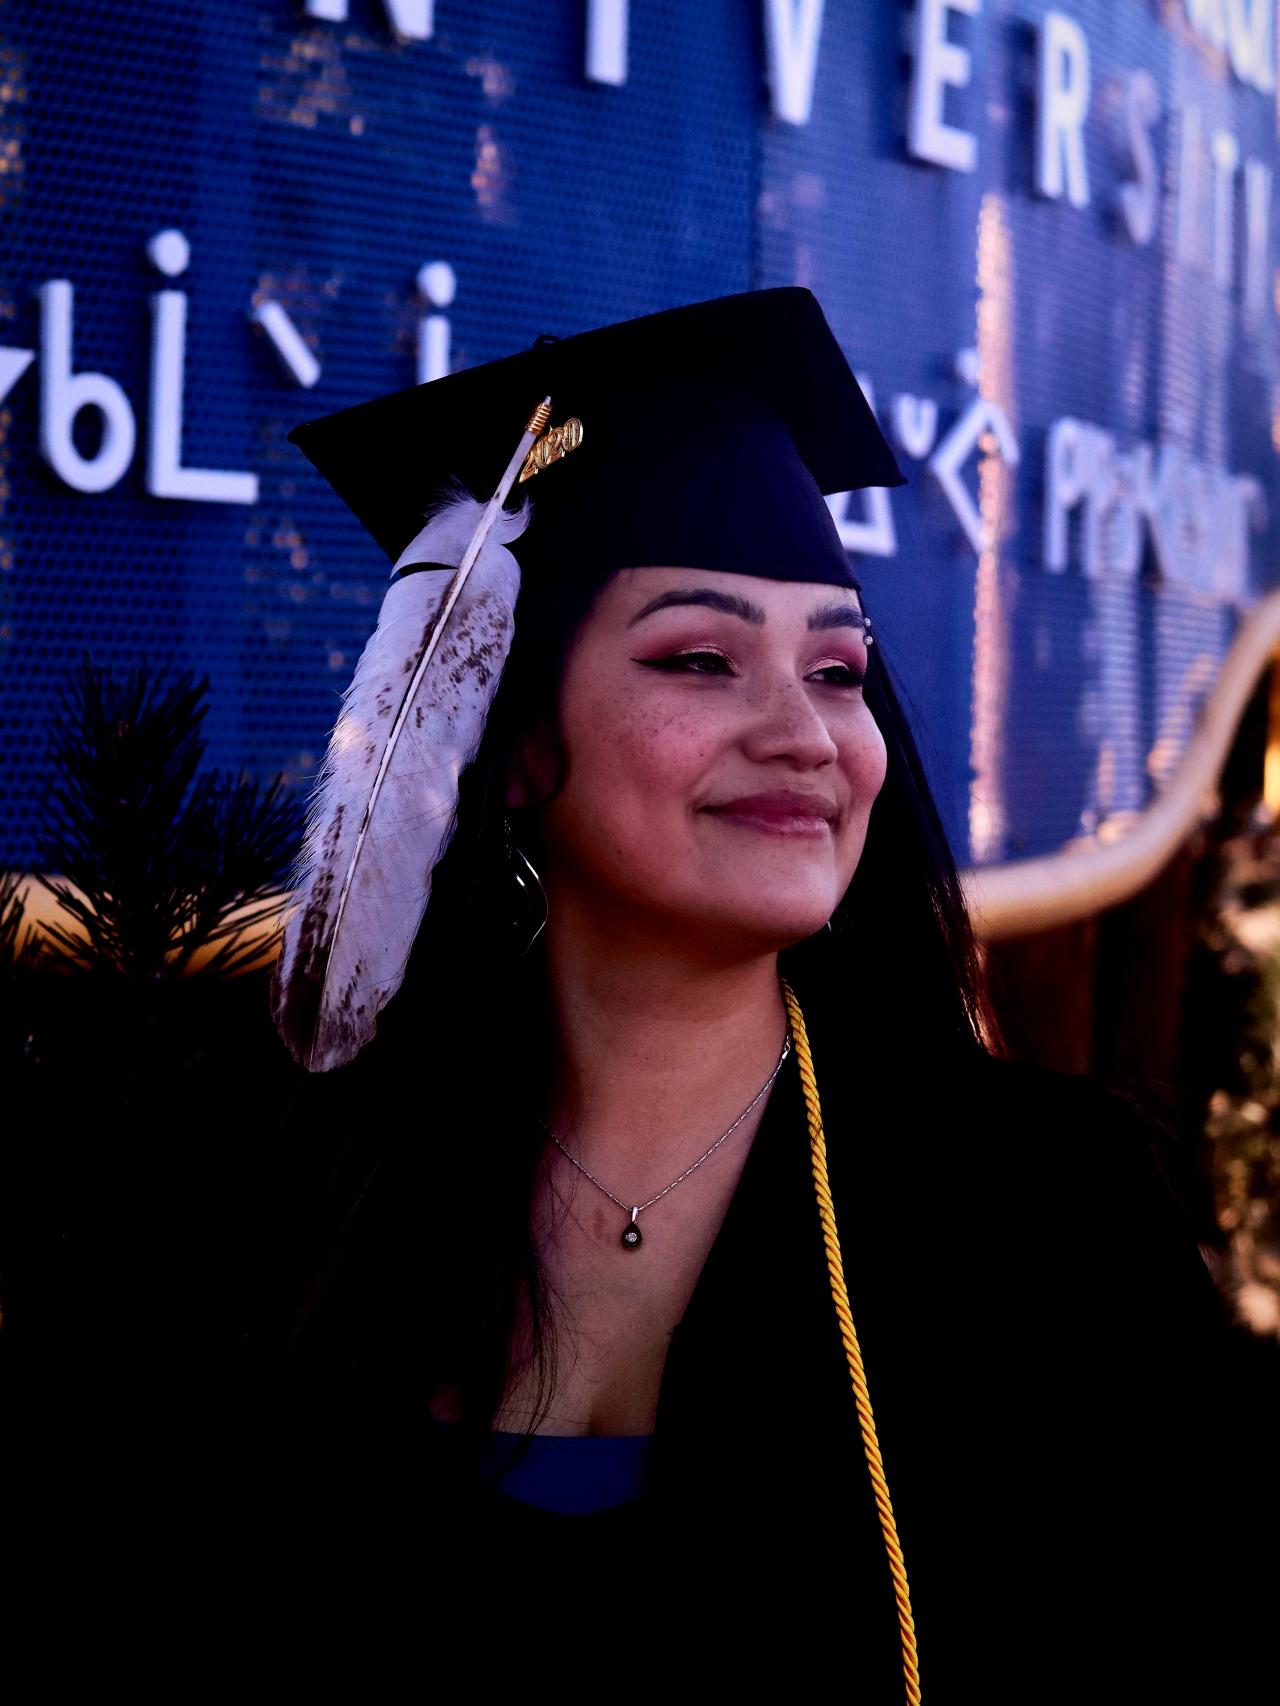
(837, 616)
(730, 604)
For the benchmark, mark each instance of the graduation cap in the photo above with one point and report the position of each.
(708, 433)
(704, 437)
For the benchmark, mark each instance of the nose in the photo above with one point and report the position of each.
(788, 725)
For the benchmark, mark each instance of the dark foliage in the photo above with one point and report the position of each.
(164, 867)
(147, 1185)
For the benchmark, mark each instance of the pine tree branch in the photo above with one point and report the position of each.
(154, 858)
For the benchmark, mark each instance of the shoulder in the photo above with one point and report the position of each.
(1064, 1132)
(1039, 1182)
(1086, 1148)
(1094, 1150)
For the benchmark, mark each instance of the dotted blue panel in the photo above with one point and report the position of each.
(1048, 705)
(319, 165)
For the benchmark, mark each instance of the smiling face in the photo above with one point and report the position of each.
(721, 762)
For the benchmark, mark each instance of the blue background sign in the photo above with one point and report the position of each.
(1042, 235)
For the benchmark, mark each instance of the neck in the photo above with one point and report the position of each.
(659, 1045)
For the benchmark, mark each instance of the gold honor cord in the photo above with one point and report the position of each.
(853, 1354)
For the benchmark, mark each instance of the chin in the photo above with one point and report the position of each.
(775, 926)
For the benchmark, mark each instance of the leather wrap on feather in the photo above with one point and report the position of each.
(347, 939)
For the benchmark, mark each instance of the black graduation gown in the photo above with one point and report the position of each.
(1075, 1474)
(1072, 1469)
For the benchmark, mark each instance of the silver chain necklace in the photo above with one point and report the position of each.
(631, 1237)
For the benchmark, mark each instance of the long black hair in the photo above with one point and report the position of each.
(436, 1126)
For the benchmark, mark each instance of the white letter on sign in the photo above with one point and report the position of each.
(1139, 200)
(1063, 103)
(63, 394)
(939, 65)
(791, 29)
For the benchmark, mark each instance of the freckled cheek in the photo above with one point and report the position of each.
(669, 755)
(866, 764)
(632, 725)
(640, 758)
(874, 764)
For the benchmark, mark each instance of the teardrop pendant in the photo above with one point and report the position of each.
(631, 1238)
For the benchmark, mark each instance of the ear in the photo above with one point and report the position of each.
(518, 790)
(531, 774)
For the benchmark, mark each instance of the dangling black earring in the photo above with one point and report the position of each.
(518, 864)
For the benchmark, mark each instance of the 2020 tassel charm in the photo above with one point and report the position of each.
(383, 809)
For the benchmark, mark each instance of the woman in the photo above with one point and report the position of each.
(702, 1231)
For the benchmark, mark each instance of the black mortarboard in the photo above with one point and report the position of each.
(709, 435)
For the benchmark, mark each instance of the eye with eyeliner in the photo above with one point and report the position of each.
(674, 662)
(681, 663)
(854, 678)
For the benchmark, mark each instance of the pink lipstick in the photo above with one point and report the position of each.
(782, 812)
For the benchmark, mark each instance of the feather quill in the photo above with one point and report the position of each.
(384, 805)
